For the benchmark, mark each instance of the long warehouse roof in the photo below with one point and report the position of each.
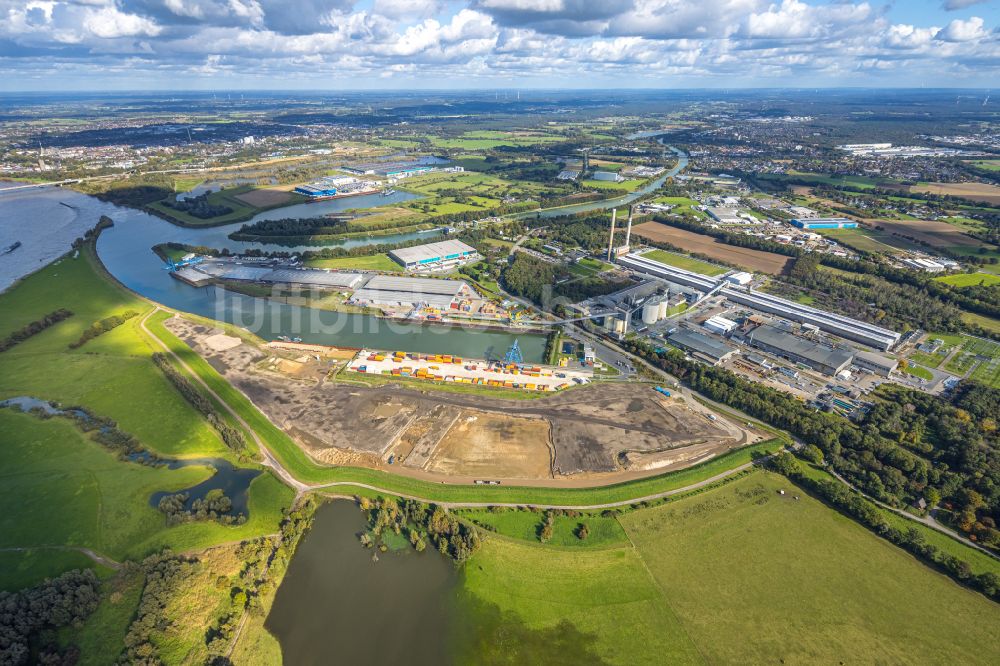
(797, 346)
(415, 285)
(431, 251)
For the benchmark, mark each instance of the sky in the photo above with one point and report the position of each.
(93, 45)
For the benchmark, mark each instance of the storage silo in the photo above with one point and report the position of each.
(663, 309)
(650, 313)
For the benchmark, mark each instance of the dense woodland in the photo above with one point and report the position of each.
(198, 206)
(29, 618)
(543, 282)
(420, 523)
(215, 506)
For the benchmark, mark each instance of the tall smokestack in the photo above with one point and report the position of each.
(628, 229)
(611, 239)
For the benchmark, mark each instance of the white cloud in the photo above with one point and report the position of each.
(962, 31)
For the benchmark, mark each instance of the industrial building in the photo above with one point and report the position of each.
(740, 279)
(669, 273)
(724, 215)
(845, 327)
(824, 223)
(719, 325)
(608, 176)
(877, 363)
(825, 359)
(435, 256)
(408, 292)
(701, 346)
(927, 265)
(305, 277)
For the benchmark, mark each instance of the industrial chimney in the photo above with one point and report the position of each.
(628, 229)
(611, 239)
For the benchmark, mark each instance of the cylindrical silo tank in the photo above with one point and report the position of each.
(619, 326)
(650, 313)
(662, 314)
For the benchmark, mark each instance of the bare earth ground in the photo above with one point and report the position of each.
(936, 234)
(604, 428)
(975, 191)
(265, 198)
(757, 260)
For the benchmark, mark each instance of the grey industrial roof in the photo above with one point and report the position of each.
(415, 285)
(700, 343)
(795, 345)
(409, 255)
(877, 360)
(314, 276)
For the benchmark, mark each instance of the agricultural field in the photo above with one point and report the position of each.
(989, 165)
(988, 323)
(735, 574)
(983, 192)
(937, 234)
(868, 240)
(969, 279)
(630, 185)
(374, 262)
(753, 260)
(488, 140)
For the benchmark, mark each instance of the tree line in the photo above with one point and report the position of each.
(231, 435)
(861, 452)
(912, 540)
(34, 328)
(101, 327)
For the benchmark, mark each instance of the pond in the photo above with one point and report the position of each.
(338, 606)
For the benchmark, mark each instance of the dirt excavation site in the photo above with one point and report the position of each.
(605, 429)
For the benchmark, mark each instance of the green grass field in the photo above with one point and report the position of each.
(629, 185)
(759, 577)
(989, 323)
(60, 487)
(969, 279)
(525, 525)
(375, 262)
(918, 371)
(868, 240)
(687, 263)
(738, 574)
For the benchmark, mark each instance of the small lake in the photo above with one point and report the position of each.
(233, 481)
(337, 606)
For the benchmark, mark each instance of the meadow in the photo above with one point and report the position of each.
(969, 279)
(685, 262)
(735, 574)
(374, 262)
(241, 209)
(63, 489)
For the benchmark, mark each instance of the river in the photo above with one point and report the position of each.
(46, 220)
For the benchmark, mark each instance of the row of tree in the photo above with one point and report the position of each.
(198, 206)
(881, 465)
(231, 435)
(855, 505)
(34, 328)
(101, 327)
